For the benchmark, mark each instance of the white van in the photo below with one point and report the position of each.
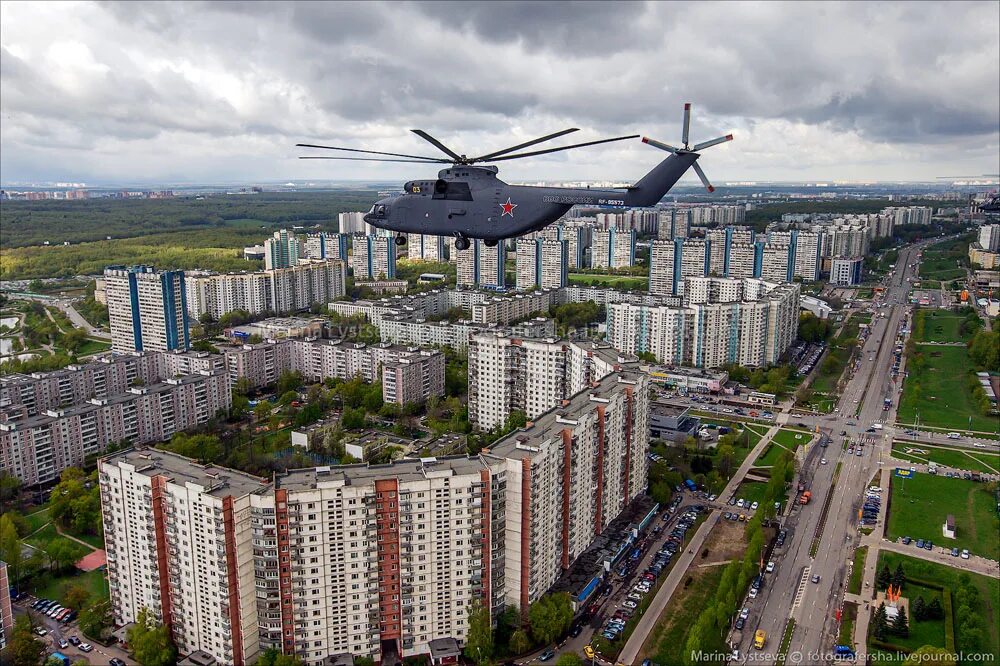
(954, 435)
(877, 426)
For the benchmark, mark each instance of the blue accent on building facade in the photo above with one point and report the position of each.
(133, 293)
(758, 258)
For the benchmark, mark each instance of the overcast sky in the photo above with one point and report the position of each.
(221, 92)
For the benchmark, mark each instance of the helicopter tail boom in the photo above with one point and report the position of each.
(651, 187)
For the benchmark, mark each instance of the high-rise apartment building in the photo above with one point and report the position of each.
(508, 373)
(846, 271)
(353, 223)
(374, 257)
(146, 308)
(750, 322)
(282, 250)
(745, 259)
(989, 237)
(482, 266)
(425, 247)
(413, 377)
(777, 264)
(663, 266)
(674, 223)
(613, 248)
(542, 263)
(324, 245)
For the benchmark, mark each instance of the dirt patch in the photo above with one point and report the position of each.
(725, 542)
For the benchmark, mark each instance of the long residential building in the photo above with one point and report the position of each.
(279, 290)
(750, 322)
(36, 449)
(541, 263)
(375, 561)
(425, 247)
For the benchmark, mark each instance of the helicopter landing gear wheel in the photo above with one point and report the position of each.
(490, 243)
(400, 239)
(461, 243)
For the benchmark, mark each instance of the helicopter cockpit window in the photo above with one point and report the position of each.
(380, 210)
(452, 191)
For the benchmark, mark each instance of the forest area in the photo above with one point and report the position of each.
(180, 233)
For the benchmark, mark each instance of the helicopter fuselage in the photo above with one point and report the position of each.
(471, 202)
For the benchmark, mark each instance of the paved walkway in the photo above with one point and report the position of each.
(633, 646)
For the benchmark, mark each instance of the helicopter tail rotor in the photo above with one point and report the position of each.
(688, 149)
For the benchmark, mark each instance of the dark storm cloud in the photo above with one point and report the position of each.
(569, 27)
(817, 81)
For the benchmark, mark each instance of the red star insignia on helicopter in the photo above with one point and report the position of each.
(508, 208)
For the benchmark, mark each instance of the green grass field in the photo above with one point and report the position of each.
(55, 588)
(940, 392)
(988, 463)
(680, 614)
(835, 360)
(751, 491)
(91, 346)
(919, 506)
(784, 439)
(989, 594)
(927, 632)
(628, 282)
(857, 573)
(38, 518)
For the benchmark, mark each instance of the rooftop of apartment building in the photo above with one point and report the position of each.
(527, 441)
(362, 474)
(216, 481)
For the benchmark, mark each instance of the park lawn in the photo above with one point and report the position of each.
(92, 346)
(38, 518)
(680, 614)
(919, 506)
(927, 632)
(827, 377)
(630, 282)
(48, 534)
(944, 398)
(988, 463)
(858, 571)
(54, 587)
(751, 491)
(942, 326)
(989, 594)
(785, 439)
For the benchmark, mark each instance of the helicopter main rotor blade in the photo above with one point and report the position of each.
(704, 178)
(372, 159)
(556, 150)
(524, 145)
(371, 152)
(713, 142)
(440, 146)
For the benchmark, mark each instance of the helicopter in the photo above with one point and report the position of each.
(467, 200)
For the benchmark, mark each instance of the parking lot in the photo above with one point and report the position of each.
(66, 637)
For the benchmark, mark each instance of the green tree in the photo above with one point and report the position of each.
(274, 657)
(24, 649)
(569, 659)
(880, 622)
(76, 596)
(95, 618)
(150, 643)
(934, 610)
(920, 609)
(899, 577)
(479, 638)
(262, 411)
(364, 661)
(10, 547)
(288, 381)
(550, 616)
(10, 486)
(519, 642)
(61, 553)
(900, 625)
(884, 578)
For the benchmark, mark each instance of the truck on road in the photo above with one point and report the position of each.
(806, 496)
(759, 639)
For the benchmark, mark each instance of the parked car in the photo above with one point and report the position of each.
(753, 593)
(920, 543)
(770, 567)
(87, 647)
(545, 656)
(740, 622)
(965, 553)
(907, 540)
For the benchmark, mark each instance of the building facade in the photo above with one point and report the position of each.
(146, 308)
(613, 248)
(482, 266)
(542, 263)
(282, 250)
(846, 271)
(374, 257)
(425, 247)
